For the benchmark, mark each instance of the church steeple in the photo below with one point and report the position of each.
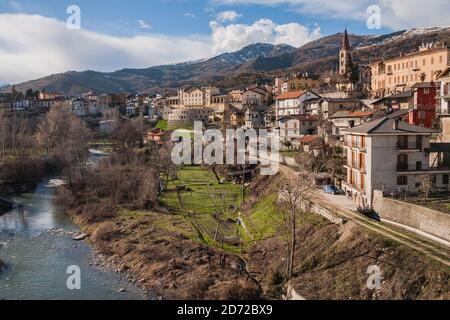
(345, 42)
(345, 55)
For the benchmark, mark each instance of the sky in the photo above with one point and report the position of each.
(43, 37)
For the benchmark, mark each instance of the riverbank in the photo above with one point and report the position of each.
(163, 253)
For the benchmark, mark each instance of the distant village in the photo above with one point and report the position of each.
(391, 118)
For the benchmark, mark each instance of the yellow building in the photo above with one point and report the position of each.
(400, 74)
(300, 83)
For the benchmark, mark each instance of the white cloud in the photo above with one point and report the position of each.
(144, 25)
(395, 14)
(235, 36)
(189, 15)
(230, 15)
(38, 46)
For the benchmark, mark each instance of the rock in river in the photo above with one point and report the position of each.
(80, 237)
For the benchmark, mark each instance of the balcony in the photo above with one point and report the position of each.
(407, 148)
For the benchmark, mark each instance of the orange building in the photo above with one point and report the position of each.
(402, 73)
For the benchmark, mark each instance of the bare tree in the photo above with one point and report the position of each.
(426, 186)
(293, 195)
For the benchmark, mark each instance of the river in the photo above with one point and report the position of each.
(36, 247)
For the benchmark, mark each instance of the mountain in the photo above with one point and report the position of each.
(168, 76)
(255, 62)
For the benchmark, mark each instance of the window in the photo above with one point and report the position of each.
(426, 90)
(421, 114)
(445, 179)
(402, 180)
(418, 165)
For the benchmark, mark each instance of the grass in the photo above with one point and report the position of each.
(164, 125)
(290, 154)
(202, 198)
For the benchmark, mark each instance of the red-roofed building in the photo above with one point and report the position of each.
(309, 144)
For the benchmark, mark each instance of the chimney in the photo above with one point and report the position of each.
(395, 125)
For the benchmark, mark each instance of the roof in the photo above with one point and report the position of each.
(386, 125)
(405, 94)
(308, 139)
(345, 42)
(300, 117)
(444, 74)
(438, 147)
(341, 100)
(398, 114)
(356, 114)
(290, 95)
(425, 85)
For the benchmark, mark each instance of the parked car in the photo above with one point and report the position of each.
(330, 189)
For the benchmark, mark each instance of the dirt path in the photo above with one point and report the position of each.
(431, 249)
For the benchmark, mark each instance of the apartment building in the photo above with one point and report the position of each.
(401, 73)
(292, 103)
(443, 105)
(388, 155)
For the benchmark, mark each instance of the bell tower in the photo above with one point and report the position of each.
(345, 55)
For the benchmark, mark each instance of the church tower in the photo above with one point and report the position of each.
(345, 55)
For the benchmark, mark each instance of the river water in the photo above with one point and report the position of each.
(37, 250)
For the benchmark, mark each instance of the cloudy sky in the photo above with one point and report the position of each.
(35, 39)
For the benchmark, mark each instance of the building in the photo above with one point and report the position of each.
(255, 116)
(396, 101)
(44, 95)
(345, 56)
(343, 120)
(22, 105)
(443, 105)
(388, 155)
(300, 82)
(296, 126)
(255, 96)
(187, 116)
(237, 118)
(292, 103)
(401, 73)
(329, 106)
(309, 144)
(425, 98)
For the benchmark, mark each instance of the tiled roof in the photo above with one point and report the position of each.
(308, 139)
(290, 95)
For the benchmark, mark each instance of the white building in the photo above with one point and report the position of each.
(388, 155)
(292, 103)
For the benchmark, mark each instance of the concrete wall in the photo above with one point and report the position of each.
(430, 221)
